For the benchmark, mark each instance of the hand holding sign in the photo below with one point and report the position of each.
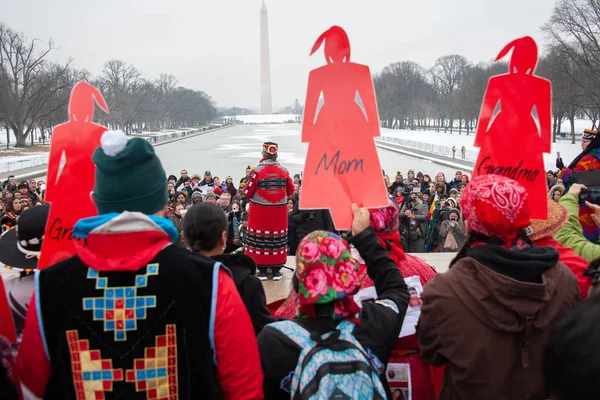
(340, 122)
(514, 124)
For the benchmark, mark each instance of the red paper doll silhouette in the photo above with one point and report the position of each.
(71, 173)
(340, 124)
(514, 124)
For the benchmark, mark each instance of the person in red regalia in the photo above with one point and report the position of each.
(340, 124)
(514, 125)
(71, 173)
(266, 237)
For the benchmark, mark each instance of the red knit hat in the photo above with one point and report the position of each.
(218, 191)
(496, 206)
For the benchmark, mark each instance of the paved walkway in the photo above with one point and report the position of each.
(436, 158)
(281, 289)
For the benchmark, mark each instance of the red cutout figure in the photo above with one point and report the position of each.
(513, 139)
(340, 124)
(71, 173)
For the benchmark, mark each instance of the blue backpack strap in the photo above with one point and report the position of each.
(294, 332)
(213, 305)
(346, 327)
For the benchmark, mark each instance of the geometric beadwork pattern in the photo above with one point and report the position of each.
(120, 308)
(156, 373)
(92, 376)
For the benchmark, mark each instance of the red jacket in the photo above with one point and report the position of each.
(238, 365)
(574, 262)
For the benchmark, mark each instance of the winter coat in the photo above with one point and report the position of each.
(178, 222)
(577, 264)
(250, 287)
(414, 231)
(307, 221)
(233, 229)
(380, 323)
(571, 235)
(7, 388)
(458, 230)
(488, 321)
(454, 184)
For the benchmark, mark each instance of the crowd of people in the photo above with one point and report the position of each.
(174, 310)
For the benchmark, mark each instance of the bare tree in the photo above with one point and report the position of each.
(121, 83)
(574, 32)
(403, 94)
(30, 82)
(448, 75)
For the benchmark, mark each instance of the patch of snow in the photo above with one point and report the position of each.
(423, 140)
(264, 119)
(283, 157)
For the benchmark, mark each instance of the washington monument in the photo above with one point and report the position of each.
(266, 106)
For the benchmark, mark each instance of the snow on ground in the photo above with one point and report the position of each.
(421, 139)
(264, 119)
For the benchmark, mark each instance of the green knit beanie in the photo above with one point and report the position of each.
(120, 161)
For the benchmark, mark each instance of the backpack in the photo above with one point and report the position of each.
(331, 366)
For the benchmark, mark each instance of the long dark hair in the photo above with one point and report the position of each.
(480, 237)
(203, 226)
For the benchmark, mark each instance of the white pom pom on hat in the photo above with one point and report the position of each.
(113, 142)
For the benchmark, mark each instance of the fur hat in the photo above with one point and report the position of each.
(557, 218)
(555, 188)
(440, 185)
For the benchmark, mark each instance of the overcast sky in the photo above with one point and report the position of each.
(215, 45)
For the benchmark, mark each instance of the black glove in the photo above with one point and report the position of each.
(559, 163)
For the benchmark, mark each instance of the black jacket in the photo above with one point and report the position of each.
(380, 324)
(7, 389)
(251, 290)
(307, 221)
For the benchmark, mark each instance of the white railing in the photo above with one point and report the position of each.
(446, 151)
(36, 161)
(13, 165)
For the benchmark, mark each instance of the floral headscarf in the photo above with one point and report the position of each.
(327, 273)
